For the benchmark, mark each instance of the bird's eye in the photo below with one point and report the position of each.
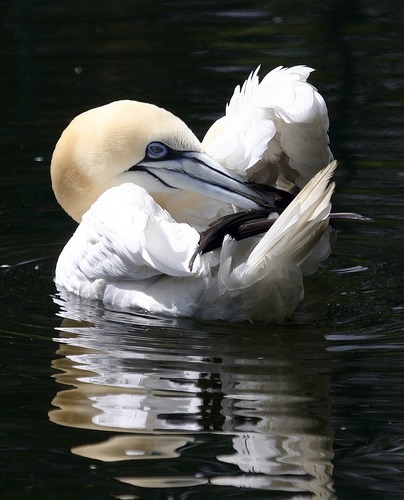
(156, 150)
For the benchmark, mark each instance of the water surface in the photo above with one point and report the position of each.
(99, 404)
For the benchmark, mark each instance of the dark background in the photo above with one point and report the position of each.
(187, 56)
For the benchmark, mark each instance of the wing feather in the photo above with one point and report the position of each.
(125, 236)
(275, 131)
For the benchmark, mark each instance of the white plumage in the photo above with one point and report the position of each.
(272, 127)
(143, 188)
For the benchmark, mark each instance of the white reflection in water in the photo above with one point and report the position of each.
(158, 384)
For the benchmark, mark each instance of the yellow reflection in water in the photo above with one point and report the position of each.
(129, 447)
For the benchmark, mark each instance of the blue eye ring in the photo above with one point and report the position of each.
(156, 150)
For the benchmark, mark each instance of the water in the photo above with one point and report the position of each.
(97, 404)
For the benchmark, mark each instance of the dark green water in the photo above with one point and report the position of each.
(96, 404)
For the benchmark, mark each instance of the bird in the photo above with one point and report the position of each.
(218, 229)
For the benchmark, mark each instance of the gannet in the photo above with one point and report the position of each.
(221, 229)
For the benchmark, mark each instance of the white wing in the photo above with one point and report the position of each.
(124, 236)
(273, 132)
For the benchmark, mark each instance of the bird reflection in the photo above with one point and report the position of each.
(161, 385)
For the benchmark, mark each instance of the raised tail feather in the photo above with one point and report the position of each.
(301, 224)
(268, 285)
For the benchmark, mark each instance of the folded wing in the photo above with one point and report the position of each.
(124, 236)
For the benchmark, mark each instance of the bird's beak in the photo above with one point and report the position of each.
(197, 172)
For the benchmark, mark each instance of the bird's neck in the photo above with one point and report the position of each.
(192, 208)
